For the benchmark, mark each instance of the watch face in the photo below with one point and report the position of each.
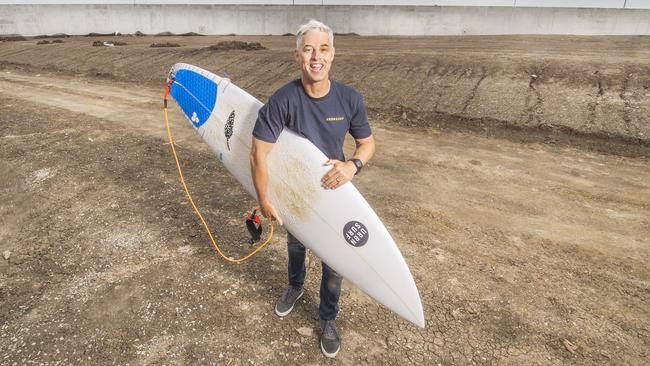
(358, 164)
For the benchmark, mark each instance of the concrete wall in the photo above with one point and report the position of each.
(280, 19)
(610, 4)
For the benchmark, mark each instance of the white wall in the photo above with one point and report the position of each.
(614, 4)
(365, 20)
(611, 4)
(638, 4)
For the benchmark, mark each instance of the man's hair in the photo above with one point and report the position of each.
(311, 25)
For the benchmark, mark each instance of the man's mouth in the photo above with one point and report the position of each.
(316, 67)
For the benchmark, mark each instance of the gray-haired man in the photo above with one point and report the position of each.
(323, 111)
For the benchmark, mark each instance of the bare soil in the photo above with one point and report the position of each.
(512, 171)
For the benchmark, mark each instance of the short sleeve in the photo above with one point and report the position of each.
(359, 126)
(270, 121)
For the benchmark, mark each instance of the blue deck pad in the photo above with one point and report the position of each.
(195, 94)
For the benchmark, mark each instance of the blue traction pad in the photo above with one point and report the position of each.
(195, 94)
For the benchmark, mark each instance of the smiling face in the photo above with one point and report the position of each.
(315, 57)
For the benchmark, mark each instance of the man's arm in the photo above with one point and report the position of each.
(343, 171)
(260, 173)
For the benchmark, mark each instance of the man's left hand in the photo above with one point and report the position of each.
(341, 173)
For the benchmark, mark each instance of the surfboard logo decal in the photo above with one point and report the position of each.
(227, 129)
(195, 94)
(355, 233)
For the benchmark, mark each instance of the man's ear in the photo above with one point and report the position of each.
(296, 55)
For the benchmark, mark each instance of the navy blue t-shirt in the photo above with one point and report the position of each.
(324, 121)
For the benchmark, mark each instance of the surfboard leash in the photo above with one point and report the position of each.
(253, 222)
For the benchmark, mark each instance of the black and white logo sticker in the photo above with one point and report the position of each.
(355, 233)
(228, 128)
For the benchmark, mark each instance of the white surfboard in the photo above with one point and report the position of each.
(339, 226)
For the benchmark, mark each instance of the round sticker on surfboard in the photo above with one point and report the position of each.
(355, 233)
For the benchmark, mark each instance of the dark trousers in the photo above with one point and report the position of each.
(330, 283)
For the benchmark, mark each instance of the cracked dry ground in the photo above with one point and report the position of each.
(525, 250)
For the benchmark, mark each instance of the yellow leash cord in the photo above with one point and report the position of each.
(189, 196)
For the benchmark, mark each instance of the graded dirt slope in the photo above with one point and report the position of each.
(597, 86)
(529, 245)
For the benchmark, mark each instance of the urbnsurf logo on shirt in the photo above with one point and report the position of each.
(355, 233)
(334, 119)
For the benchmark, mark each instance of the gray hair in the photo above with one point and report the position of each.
(311, 25)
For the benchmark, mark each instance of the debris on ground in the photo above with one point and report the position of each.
(108, 43)
(569, 346)
(305, 331)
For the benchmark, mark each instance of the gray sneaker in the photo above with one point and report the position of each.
(288, 300)
(330, 341)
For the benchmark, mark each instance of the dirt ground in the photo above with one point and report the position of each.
(521, 204)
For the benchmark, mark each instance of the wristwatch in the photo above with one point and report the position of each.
(358, 164)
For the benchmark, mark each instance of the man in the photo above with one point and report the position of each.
(323, 111)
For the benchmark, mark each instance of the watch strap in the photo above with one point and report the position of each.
(358, 164)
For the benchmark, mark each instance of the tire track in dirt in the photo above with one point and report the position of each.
(138, 109)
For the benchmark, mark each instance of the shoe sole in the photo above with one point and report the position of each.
(329, 355)
(280, 314)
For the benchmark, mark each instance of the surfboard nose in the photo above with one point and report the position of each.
(418, 316)
(411, 308)
(397, 291)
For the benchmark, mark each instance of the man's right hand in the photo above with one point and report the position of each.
(260, 173)
(269, 211)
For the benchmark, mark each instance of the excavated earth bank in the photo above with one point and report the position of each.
(590, 90)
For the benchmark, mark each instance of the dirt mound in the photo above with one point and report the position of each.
(12, 38)
(234, 45)
(45, 41)
(191, 34)
(56, 35)
(92, 34)
(170, 34)
(164, 44)
(166, 34)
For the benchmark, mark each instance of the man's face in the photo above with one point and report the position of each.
(315, 56)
